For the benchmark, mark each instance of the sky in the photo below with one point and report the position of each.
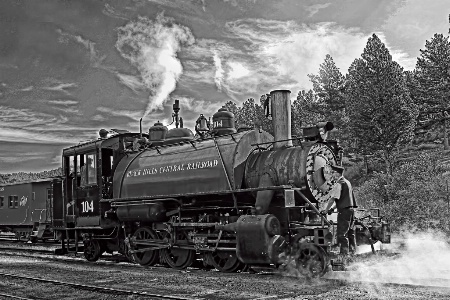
(70, 68)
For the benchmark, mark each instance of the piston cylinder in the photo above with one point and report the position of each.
(258, 239)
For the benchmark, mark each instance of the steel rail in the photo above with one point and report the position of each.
(15, 297)
(96, 288)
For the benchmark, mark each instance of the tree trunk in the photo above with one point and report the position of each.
(387, 162)
(445, 135)
(366, 164)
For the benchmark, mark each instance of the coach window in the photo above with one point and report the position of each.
(89, 170)
(1, 201)
(13, 201)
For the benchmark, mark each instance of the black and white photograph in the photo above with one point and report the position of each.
(224, 149)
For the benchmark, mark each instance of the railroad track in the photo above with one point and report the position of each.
(106, 290)
(434, 283)
(9, 296)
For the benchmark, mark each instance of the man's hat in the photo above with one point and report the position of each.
(337, 168)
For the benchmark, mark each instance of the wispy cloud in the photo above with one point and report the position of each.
(27, 89)
(130, 81)
(61, 87)
(98, 118)
(29, 126)
(111, 12)
(218, 76)
(281, 53)
(8, 66)
(313, 9)
(132, 114)
(95, 58)
(63, 102)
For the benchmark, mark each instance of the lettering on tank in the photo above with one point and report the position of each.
(174, 168)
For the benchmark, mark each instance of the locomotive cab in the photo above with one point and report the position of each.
(88, 171)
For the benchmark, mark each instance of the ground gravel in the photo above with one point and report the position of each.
(199, 284)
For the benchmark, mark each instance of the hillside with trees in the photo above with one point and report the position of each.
(31, 176)
(393, 125)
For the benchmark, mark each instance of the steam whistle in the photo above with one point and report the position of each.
(175, 117)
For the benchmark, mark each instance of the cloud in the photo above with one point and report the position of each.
(29, 126)
(95, 58)
(218, 76)
(8, 66)
(61, 87)
(152, 47)
(191, 104)
(413, 23)
(280, 54)
(259, 55)
(132, 82)
(63, 102)
(237, 70)
(27, 89)
(99, 118)
(111, 12)
(132, 114)
(313, 9)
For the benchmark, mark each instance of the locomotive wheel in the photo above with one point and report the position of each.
(178, 258)
(147, 258)
(226, 262)
(92, 250)
(311, 260)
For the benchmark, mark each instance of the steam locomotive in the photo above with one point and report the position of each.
(225, 197)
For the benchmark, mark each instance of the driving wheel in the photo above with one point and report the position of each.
(178, 257)
(226, 262)
(147, 258)
(92, 250)
(311, 260)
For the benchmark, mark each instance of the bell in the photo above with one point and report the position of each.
(202, 123)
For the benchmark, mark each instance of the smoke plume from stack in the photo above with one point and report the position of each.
(152, 46)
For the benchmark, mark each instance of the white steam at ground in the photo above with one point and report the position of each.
(152, 47)
(423, 259)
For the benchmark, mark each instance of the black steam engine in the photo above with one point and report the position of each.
(226, 198)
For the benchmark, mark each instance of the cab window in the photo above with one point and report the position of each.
(88, 170)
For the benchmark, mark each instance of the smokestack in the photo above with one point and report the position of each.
(281, 117)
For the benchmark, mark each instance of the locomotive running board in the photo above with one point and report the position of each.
(174, 196)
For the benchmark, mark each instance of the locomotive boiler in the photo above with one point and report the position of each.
(224, 198)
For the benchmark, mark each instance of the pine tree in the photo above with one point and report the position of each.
(381, 112)
(306, 111)
(329, 86)
(433, 88)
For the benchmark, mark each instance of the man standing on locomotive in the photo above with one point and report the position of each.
(342, 196)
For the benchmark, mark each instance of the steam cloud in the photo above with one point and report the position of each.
(152, 47)
(423, 259)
